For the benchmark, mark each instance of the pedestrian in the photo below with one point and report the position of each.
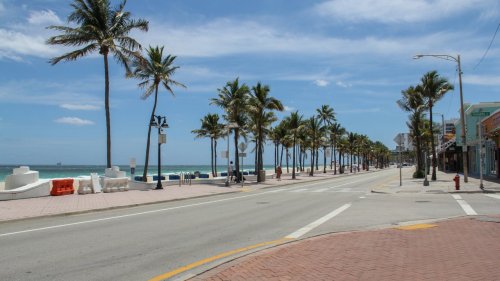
(278, 173)
(230, 170)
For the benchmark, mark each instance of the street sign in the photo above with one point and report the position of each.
(132, 162)
(400, 138)
(242, 154)
(162, 138)
(480, 113)
(242, 146)
(224, 154)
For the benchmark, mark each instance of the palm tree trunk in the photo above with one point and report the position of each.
(293, 158)
(281, 158)
(287, 171)
(146, 162)
(311, 173)
(335, 157)
(434, 160)
(351, 162)
(106, 107)
(236, 154)
(316, 158)
(340, 163)
(215, 157)
(212, 154)
(275, 156)
(331, 156)
(324, 159)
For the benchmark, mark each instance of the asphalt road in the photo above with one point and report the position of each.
(143, 242)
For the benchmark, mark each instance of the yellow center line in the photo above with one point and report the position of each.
(416, 226)
(213, 258)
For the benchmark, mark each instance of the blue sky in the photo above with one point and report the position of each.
(353, 55)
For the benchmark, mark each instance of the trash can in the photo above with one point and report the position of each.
(262, 174)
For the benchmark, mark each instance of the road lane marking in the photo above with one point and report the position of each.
(216, 257)
(132, 215)
(496, 196)
(321, 189)
(465, 206)
(299, 190)
(318, 222)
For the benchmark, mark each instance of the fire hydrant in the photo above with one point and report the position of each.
(456, 179)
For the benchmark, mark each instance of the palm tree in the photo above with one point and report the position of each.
(327, 117)
(434, 88)
(152, 71)
(314, 130)
(106, 30)
(336, 132)
(258, 106)
(294, 125)
(211, 128)
(233, 98)
(351, 139)
(413, 101)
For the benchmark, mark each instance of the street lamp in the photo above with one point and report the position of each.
(462, 115)
(160, 122)
(229, 126)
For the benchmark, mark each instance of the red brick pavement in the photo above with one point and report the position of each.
(458, 249)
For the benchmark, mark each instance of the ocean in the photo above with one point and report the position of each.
(71, 171)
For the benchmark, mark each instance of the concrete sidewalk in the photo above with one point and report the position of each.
(443, 184)
(457, 249)
(73, 204)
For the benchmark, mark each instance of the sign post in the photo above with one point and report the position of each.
(242, 146)
(399, 139)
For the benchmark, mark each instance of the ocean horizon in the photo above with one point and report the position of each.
(72, 171)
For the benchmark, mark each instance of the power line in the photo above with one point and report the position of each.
(485, 53)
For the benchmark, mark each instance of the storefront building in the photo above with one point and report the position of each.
(491, 131)
(474, 115)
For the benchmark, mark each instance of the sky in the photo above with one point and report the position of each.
(355, 56)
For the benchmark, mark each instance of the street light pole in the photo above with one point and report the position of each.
(159, 122)
(462, 115)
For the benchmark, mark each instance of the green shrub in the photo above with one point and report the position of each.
(418, 174)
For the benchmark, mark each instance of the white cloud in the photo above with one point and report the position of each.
(74, 121)
(45, 17)
(50, 93)
(289, 108)
(14, 45)
(224, 37)
(482, 80)
(394, 11)
(79, 106)
(343, 85)
(321, 83)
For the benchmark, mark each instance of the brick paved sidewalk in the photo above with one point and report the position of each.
(458, 249)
